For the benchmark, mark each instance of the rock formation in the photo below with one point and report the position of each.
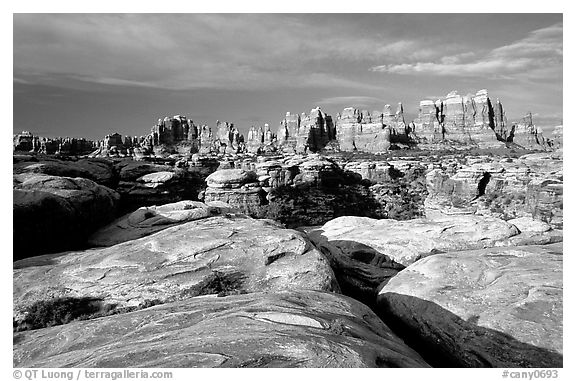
(23, 141)
(26, 141)
(498, 307)
(527, 135)
(231, 255)
(531, 185)
(274, 329)
(558, 137)
(306, 132)
(148, 220)
(235, 187)
(53, 213)
(371, 131)
(470, 120)
(260, 140)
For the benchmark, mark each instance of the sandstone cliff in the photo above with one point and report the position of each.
(305, 132)
(470, 119)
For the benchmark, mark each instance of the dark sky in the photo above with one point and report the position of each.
(87, 75)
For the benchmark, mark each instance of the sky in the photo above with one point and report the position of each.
(88, 75)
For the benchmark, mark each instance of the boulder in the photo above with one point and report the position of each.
(230, 178)
(54, 213)
(282, 329)
(213, 255)
(366, 252)
(98, 170)
(148, 220)
(496, 307)
(236, 187)
(155, 188)
(132, 170)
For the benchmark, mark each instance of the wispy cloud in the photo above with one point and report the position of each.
(194, 51)
(539, 55)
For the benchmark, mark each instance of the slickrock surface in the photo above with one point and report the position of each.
(53, 213)
(282, 329)
(496, 307)
(148, 220)
(218, 254)
(98, 170)
(404, 242)
(365, 252)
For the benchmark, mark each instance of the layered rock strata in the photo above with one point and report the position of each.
(471, 119)
(306, 132)
(235, 187)
(531, 185)
(370, 131)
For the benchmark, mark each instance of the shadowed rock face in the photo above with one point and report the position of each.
(498, 307)
(230, 255)
(53, 213)
(282, 329)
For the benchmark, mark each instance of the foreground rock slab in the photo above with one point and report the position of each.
(497, 307)
(214, 255)
(285, 329)
(365, 252)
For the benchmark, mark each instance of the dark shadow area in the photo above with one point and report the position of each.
(310, 204)
(358, 268)
(483, 183)
(185, 186)
(445, 340)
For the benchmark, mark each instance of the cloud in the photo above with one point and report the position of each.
(351, 101)
(195, 51)
(537, 56)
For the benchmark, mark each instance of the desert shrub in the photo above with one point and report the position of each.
(311, 204)
(57, 311)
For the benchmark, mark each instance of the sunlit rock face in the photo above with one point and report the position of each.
(305, 132)
(361, 130)
(293, 328)
(529, 136)
(470, 119)
(494, 307)
(235, 187)
(531, 185)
